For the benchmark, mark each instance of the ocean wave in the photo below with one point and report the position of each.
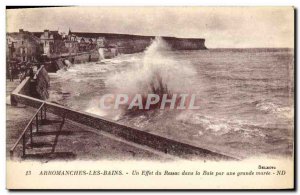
(219, 126)
(153, 70)
(242, 76)
(113, 114)
(122, 59)
(269, 107)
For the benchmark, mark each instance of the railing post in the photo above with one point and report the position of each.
(37, 122)
(45, 115)
(23, 135)
(31, 134)
(11, 152)
(41, 114)
(24, 145)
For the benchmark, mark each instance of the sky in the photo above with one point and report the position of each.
(222, 27)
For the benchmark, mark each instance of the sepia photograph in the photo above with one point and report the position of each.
(133, 91)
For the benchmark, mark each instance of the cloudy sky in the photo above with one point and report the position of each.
(221, 26)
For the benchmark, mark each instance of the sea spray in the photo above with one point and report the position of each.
(68, 63)
(174, 101)
(157, 73)
(101, 54)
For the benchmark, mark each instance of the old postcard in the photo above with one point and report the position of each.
(150, 97)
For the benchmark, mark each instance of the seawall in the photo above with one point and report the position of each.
(92, 56)
(57, 62)
(36, 87)
(42, 83)
(22, 95)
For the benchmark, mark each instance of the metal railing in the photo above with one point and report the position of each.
(29, 126)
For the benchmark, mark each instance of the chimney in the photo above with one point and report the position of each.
(21, 30)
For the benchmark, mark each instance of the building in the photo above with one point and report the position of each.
(23, 46)
(52, 42)
(10, 48)
(101, 42)
(71, 43)
(71, 46)
(87, 43)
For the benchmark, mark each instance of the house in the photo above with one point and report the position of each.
(71, 43)
(23, 46)
(86, 42)
(71, 46)
(52, 42)
(100, 42)
(10, 48)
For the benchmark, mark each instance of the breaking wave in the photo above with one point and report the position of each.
(156, 73)
(219, 126)
(272, 108)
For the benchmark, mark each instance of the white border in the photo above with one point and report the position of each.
(155, 2)
(4, 3)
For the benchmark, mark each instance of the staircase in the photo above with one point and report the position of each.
(39, 138)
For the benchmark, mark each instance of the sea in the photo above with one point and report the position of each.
(245, 96)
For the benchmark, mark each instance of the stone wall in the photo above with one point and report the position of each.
(34, 87)
(92, 56)
(57, 62)
(60, 64)
(42, 83)
(23, 88)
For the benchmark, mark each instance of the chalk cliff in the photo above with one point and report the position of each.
(185, 43)
(136, 43)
